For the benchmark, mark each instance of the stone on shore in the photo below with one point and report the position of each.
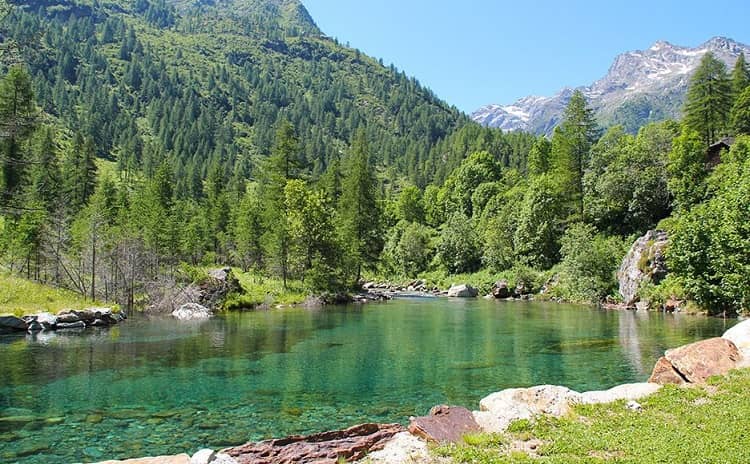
(48, 321)
(501, 289)
(445, 424)
(10, 322)
(403, 448)
(192, 312)
(740, 336)
(177, 459)
(631, 392)
(329, 447)
(209, 456)
(696, 362)
(462, 291)
(499, 409)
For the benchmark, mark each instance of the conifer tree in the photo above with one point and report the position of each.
(740, 76)
(16, 125)
(709, 99)
(360, 212)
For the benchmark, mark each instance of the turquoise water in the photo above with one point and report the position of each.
(153, 387)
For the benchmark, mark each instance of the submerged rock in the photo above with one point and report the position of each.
(192, 312)
(444, 424)
(644, 262)
(462, 291)
(351, 444)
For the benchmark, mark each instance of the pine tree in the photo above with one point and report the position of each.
(360, 212)
(740, 76)
(741, 113)
(17, 120)
(709, 99)
(45, 178)
(571, 144)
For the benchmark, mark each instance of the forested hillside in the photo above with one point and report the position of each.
(140, 137)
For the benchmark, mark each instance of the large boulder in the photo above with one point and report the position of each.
(501, 289)
(9, 322)
(499, 409)
(462, 291)
(329, 447)
(444, 424)
(644, 262)
(740, 336)
(192, 312)
(403, 448)
(697, 362)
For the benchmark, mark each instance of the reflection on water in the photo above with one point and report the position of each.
(153, 387)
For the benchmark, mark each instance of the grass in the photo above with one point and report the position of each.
(701, 424)
(21, 297)
(261, 290)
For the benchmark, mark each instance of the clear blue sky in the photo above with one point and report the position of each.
(474, 52)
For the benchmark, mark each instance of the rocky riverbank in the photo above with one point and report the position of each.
(64, 320)
(393, 444)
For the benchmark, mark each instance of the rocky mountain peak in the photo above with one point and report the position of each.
(640, 86)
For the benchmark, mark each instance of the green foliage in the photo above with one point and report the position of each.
(687, 169)
(458, 249)
(740, 116)
(709, 100)
(710, 243)
(740, 76)
(589, 262)
(536, 237)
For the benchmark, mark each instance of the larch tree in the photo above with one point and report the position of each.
(360, 211)
(740, 76)
(709, 99)
(17, 121)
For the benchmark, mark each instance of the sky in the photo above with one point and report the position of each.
(476, 52)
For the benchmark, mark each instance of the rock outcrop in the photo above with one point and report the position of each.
(462, 291)
(192, 312)
(644, 263)
(445, 424)
(697, 362)
(322, 448)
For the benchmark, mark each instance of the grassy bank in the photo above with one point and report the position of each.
(686, 425)
(20, 297)
(262, 290)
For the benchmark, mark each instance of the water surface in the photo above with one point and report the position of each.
(158, 387)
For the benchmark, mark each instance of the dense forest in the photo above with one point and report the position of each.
(141, 136)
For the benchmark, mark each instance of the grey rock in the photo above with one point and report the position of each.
(192, 312)
(462, 291)
(71, 325)
(499, 409)
(740, 336)
(644, 262)
(67, 317)
(403, 448)
(47, 320)
(632, 391)
(634, 406)
(10, 322)
(34, 326)
(204, 456)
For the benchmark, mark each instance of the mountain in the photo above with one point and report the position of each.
(205, 83)
(641, 86)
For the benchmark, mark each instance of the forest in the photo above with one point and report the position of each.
(140, 141)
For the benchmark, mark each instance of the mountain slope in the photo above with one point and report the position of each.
(641, 86)
(206, 82)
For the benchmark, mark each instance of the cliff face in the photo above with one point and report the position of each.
(644, 263)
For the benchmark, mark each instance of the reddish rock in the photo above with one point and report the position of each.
(444, 424)
(664, 373)
(699, 361)
(322, 448)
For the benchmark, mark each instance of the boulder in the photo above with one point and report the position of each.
(91, 314)
(329, 447)
(500, 289)
(740, 336)
(644, 262)
(499, 409)
(10, 322)
(34, 326)
(48, 321)
(444, 424)
(462, 291)
(403, 448)
(177, 459)
(204, 456)
(71, 325)
(192, 312)
(697, 362)
(631, 392)
(67, 317)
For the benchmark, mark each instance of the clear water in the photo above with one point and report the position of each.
(156, 387)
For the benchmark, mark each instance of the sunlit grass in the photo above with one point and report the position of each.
(20, 297)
